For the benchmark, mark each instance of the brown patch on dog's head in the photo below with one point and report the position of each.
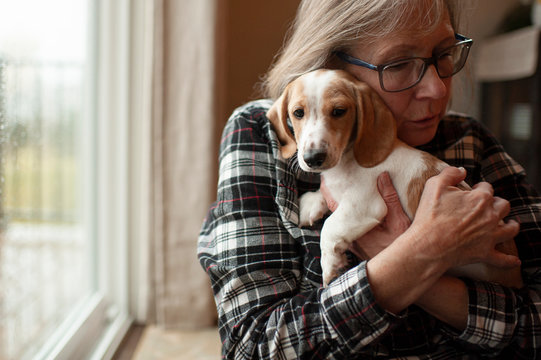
(376, 128)
(340, 110)
(278, 115)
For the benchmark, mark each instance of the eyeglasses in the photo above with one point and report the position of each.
(406, 73)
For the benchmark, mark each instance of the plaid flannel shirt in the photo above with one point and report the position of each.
(266, 275)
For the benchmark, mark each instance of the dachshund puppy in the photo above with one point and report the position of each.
(344, 130)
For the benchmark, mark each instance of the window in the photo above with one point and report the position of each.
(64, 164)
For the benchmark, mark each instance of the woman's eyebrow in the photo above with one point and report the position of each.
(397, 51)
(450, 41)
(404, 49)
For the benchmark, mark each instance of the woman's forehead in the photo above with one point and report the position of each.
(407, 39)
(415, 16)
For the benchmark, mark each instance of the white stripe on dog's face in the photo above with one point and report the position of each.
(321, 135)
(315, 136)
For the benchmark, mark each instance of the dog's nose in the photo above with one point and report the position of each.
(315, 158)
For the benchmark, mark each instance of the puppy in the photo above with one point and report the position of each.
(344, 131)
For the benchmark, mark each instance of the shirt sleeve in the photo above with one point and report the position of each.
(504, 321)
(255, 264)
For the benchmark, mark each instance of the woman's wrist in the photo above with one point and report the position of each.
(400, 274)
(405, 273)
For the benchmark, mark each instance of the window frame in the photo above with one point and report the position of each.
(117, 126)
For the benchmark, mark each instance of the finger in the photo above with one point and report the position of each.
(451, 176)
(500, 259)
(502, 206)
(509, 230)
(387, 190)
(395, 213)
(357, 250)
(322, 185)
(331, 203)
(484, 186)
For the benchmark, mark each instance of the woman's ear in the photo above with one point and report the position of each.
(376, 128)
(278, 115)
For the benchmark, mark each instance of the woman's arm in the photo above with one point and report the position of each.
(451, 228)
(482, 315)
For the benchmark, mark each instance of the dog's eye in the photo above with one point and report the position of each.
(338, 112)
(299, 113)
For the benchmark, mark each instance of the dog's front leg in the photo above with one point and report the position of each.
(312, 208)
(340, 230)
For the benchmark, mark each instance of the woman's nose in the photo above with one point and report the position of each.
(432, 85)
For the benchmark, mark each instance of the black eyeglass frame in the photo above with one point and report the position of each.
(463, 41)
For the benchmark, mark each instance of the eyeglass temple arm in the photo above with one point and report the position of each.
(355, 61)
(462, 38)
(352, 60)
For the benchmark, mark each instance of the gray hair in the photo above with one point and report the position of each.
(322, 27)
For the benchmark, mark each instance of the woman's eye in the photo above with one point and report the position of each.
(299, 113)
(399, 67)
(338, 112)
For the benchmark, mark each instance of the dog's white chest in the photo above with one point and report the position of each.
(349, 182)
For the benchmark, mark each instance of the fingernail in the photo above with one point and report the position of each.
(384, 179)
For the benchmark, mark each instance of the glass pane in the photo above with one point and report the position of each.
(45, 266)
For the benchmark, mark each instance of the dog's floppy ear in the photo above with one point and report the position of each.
(376, 128)
(278, 115)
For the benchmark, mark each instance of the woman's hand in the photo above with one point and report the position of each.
(452, 227)
(462, 227)
(395, 223)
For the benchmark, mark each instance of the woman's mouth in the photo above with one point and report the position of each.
(425, 122)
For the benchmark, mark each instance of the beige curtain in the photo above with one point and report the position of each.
(183, 161)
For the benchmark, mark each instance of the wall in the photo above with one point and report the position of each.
(249, 34)
(481, 20)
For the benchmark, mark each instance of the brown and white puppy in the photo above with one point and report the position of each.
(344, 130)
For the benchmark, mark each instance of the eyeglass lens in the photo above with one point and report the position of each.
(406, 73)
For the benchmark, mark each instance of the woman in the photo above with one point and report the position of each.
(265, 270)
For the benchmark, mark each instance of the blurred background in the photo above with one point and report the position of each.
(110, 121)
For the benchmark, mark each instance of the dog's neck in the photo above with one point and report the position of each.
(348, 156)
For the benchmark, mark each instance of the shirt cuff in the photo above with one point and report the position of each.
(351, 310)
(491, 316)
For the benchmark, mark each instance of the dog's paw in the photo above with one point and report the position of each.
(331, 274)
(312, 208)
(333, 266)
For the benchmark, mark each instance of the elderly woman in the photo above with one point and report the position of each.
(265, 269)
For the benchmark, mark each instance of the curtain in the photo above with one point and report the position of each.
(183, 161)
